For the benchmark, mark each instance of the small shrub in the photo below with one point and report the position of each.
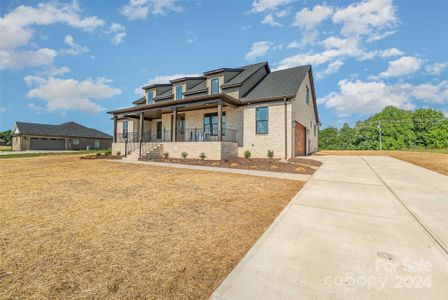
(108, 152)
(118, 153)
(98, 154)
(184, 154)
(202, 156)
(166, 155)
(247, 154)
(270, 153)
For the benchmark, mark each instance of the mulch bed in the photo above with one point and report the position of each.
(102, 156)
(295, 166)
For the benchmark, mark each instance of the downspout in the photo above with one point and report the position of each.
(286, 129)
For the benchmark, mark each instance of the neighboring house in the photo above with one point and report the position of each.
(223, 113)
(66, 136)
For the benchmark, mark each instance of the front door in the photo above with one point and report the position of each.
(299, 140)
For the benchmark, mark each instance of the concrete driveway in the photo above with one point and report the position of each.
(361, 228)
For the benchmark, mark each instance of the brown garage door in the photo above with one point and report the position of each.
(47, 144)
(299, 140)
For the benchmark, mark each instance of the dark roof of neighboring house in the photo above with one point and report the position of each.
(249, 70)
(142, 100)
(223, 70)
(186, 78)
(279, 83)
(69, 129)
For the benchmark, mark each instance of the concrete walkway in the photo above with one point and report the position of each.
(290, 176)
(361, 228)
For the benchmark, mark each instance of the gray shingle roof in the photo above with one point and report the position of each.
(69, 129)
(248, 71)
(279, 83)
(197, 88)
(142, 100)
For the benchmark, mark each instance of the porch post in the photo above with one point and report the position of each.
(174, 125)
(115, 129)
(219, 122)
(141, 135)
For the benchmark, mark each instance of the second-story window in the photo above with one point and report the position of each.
(307, 95)
(178, 92)
(215, 86)
(150, 95)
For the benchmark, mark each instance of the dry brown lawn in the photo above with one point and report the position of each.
(85, 229)
(436, 161)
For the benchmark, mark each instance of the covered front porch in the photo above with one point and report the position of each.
(192, 127)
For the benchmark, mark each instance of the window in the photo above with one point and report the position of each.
(211, 123)
(75, 141)
(125, 128)
(159, 130)
(262, 120)
(314, 129)
(215, 86)
(178, 92)
(97, 144)
(150, 97)
(307, 95)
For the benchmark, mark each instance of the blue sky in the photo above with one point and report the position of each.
(75, 60)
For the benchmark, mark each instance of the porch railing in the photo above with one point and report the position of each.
(200, 135)
(186, 135)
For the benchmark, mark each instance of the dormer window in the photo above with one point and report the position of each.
(150, 95)
(215, 86)
(178, 92)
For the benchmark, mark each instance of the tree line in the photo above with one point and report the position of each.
(400, 129)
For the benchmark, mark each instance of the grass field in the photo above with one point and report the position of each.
(5, 148)
(88, 229)
(433, 160)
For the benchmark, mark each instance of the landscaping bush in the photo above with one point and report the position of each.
(184, 154)
(270, 153)
(166, 155)
(98, 154)
(118, 153)
(247, 154)
(202, 156)
(108, 152)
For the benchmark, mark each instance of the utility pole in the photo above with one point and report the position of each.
(381, 138)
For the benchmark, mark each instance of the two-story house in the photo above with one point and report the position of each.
(223, 113)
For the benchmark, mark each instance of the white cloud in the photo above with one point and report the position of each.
(258, 49)
(16, 25)
(118, 33)
(2, 109)
(333, 67)
(359, 97)
(403, 66)
(370, 17)
(436, 68)
(75, 49)
(391, 52)
(23, 59)
(16, 29)
(70, 94)
(309, 19)
(336, 48)
(139, 9)
(260, 6)
(293, 45)
(191, 40)
(269, 20)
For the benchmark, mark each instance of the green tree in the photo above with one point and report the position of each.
(347, 137)
(428, 127)
(6, 136)
(328, 138)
